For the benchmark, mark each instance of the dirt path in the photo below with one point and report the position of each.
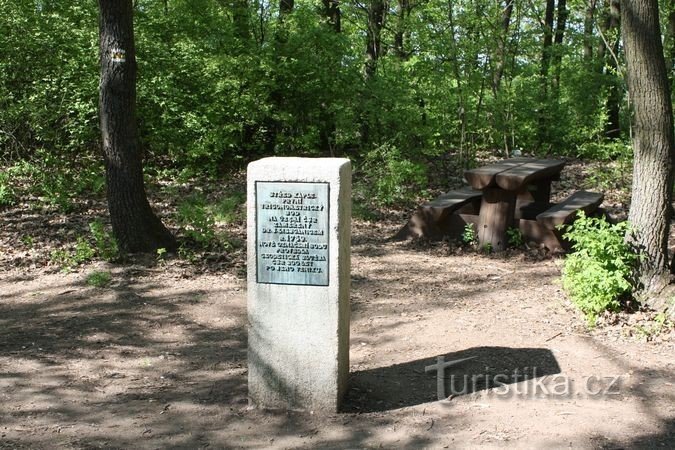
(158, 360)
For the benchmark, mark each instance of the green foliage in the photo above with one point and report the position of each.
(104, 242)
(515, 237)
(219, 84)
(597, 274)
(228, 209)
(469, 235)
(99, 279)
(364, 211)
(7, 194)
(197, 221)
(605, 151)
(661, 323)
(394, 178)
(28, 241)
(100, 244)
(68, 260)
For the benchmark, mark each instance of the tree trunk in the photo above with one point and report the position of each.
(135, 226)
(670, 42)
(653, 141)
(240, 19)
(399, 35)
(613, 125)
(376, 11)
(328, 127)
(500, 56)
(561, 23)
(588, 31)
(333, 15)
(544, 110)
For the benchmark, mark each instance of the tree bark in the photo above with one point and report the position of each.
(328, 127)
(561, 23)
(135, 226)
(399, 35)
(333, 15)
(500, 56)
(240, 19)
(544, 110)
(588, 31)
(670, 42)
(653, 141)
(376, 12)
(613, 125)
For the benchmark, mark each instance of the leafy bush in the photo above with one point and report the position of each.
(7, 195)
(395, 178)
(605, 150)
(196, 220)
(67, 260)
(99, 279)
(469, 235)
(104, 242)
(515, 237)
(598, 272)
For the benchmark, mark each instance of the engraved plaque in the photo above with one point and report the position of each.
(292, 232)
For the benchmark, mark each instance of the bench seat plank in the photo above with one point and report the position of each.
(429, 219)
(482, 177)
(566, 211)
(517, 177)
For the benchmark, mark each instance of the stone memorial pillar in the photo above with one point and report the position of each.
(299, 214)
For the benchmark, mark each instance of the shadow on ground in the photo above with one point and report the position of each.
(466, 371)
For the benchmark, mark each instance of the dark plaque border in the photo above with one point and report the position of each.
(257, 224)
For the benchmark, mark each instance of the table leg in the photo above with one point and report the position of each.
(538, 192)
(496, 216)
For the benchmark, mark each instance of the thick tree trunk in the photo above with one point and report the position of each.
(653, 140)
(135, 226)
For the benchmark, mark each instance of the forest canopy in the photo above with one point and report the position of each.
(402, 82)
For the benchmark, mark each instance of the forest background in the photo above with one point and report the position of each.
(409, 90)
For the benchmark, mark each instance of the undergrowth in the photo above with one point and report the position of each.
(597, 274)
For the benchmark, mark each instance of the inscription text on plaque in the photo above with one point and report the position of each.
(292, 232)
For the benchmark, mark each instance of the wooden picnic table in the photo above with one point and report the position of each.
(515, 193)
(507, 187)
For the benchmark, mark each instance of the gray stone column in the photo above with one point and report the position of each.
(299, 216)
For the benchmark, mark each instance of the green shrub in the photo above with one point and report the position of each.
(196, 220)
(469, 235)
(67, 260)
(7, 194)
(598, 271)
(228, 209)
(104, 242)
(515, 237)
(606, 150)
(99, 279)
(395, 179)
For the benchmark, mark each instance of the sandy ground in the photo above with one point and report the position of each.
(158, 360)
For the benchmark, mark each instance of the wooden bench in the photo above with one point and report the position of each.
(431, 220)
(566, 211)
